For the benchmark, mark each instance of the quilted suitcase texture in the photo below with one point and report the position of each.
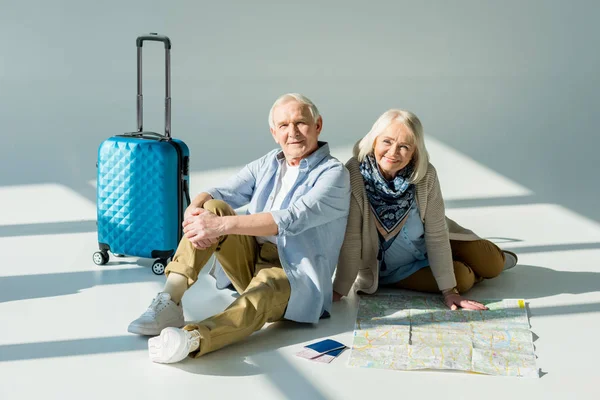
(142, 186)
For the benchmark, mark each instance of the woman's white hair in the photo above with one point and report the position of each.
(314, 112)
(411, 121)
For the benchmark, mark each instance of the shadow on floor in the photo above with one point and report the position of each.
(48, 228)
(530, 282)
(554, 247)
(226, 362)
(75, 347)
(21, 287)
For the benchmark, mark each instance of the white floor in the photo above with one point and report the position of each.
(63, 319)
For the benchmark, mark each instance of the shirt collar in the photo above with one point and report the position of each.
(312, 160)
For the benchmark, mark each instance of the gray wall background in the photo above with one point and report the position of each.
(512, 84)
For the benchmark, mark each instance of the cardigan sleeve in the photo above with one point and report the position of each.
(437, 239)
(350, 254)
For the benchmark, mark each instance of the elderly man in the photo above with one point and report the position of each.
(280, 256)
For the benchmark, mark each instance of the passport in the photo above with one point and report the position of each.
(324, 351)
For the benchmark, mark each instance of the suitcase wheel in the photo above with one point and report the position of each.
(159, 266)
(119, 255)
(100, 258)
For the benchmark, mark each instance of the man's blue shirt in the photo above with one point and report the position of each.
(311, 223)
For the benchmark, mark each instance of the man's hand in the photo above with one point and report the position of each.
(188, 212)
(454, 301)
(197, 202)
(337, 296)
(202, 228)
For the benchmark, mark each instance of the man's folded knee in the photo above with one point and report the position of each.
(218, 207)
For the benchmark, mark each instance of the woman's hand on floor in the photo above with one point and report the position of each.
(455, 301)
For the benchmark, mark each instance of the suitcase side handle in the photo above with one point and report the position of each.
(140, 98)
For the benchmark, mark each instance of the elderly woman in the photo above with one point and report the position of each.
(397, 233)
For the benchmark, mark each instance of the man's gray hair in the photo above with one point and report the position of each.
(314, 111)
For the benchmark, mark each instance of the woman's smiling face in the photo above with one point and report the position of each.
(394, 149)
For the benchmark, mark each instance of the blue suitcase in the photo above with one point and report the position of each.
(143, 185)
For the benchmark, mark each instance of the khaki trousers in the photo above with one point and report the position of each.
(473, 262)
(256, 274)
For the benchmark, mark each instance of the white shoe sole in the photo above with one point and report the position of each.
(141, 330)
(149, 331)
(170, 347)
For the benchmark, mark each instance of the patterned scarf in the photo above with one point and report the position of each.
(390, 200)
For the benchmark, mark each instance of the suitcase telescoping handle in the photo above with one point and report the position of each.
(140, 98)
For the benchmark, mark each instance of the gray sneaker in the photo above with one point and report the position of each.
(510, 259)
(161, 313)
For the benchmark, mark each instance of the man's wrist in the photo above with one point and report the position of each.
(228, 223)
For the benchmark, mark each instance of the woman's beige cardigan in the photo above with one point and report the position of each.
(358, 264)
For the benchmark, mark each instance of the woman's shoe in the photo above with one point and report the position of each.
(510, 259)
